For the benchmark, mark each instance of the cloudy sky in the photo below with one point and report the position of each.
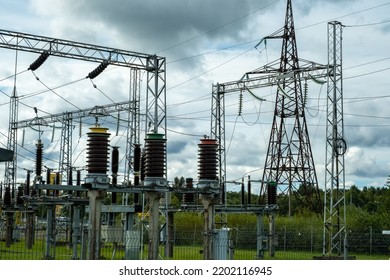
(204, 42)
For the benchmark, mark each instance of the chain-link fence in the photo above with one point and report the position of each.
(289, 243)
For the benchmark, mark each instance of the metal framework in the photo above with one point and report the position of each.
(133, 133)
(152, 64)
(289, 158)
(66, 119)
(335, 234)
(10, 166)
(65, 163)
(101, 110)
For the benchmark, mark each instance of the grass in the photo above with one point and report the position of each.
(18, 251)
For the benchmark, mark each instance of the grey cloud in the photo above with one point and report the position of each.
(176, 147)
(306, 6)
(154, 26)
(368, 136)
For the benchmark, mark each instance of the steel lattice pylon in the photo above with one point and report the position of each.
(334, 208)
(289, 157)
(289, 161)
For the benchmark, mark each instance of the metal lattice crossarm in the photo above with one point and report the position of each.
(265, 76)
(103, 110)
(270, 75)
(71, 49)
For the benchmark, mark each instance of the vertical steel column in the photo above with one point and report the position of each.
(335, 233)
(66, 146)
(134, 119)
(156, 95)
(10, 166)
(218, 133)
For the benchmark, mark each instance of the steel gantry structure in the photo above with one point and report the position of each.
(287, 76)
(66, 119)
(155, 67)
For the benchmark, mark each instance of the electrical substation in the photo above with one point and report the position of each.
(145, 189)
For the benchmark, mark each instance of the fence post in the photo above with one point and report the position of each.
(84, 239)
(370, 240)
(311, 239)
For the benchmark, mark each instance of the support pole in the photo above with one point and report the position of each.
(76, 231)
(30, 229)
(95, 205)
(169, 241)
(154, 225)
(259, 235)
(50, 218)
(271, 240)
(209, 226)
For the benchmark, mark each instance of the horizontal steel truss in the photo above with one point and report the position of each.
(74, 50)
(104, 110)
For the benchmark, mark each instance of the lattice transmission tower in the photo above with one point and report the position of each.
(289, 160)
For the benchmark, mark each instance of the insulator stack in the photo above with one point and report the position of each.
(155, 155)
(271, 192)
(57, 181)
(242, 192)
(57, 178)
(114, 170)
(139, 169)
(249, 190)
(38, 158)
(78, 181)
(137, 164)
(142, 171)
(241, 97)
(305, 92)
(78, 178)
(207, 159)
(115, 160)
(39, 61)
(19, 194)
(28, 179)
(98, 70)
(48, 180)
(189, 198)
(97, 150)
(70, 179)
(7, 196)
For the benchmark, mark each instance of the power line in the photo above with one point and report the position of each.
(368, 73)
(50, 89)
(211, 69)
(343, 16)
(368, 24)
